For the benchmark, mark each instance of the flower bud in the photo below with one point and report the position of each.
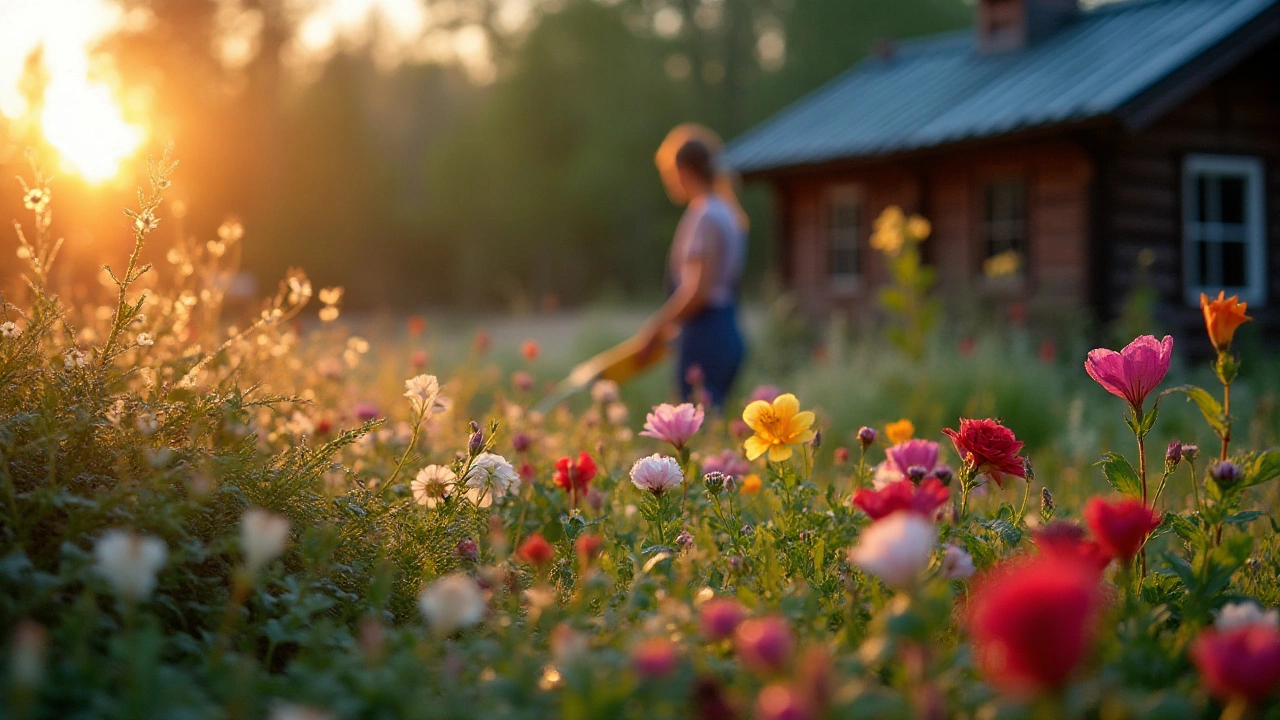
(467, 550)
(536, 550)
(714, 482)
(866, 436)
(1226, 473)
(817, 439)
(684, 539)
(1190, 451)
(263, 535)
(476, 443)
(521, 442)
(1026, 468)
(587, 547)
(129, 562)
(1047, 505)
(916, 473)
(720, 617)
(1173, 455)
(842, 455)
(944, 474)
(764, 644)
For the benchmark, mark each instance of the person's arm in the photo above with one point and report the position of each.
(691, 295)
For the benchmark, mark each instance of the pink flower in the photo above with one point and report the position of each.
(903, 495)
(729, 462)
(719, 617)
(764, 644)
(1121, 526)
(1133, 372)
(913, 453)
(767, 393)
(673, 423)
(1241, 663)
(654, 658)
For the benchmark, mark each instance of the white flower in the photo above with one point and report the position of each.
(617, 413)
(656, 473)
(263, 535)
(145, 340)
(957, 563)
(604, 391)
(10, 329)
(432, 484)
(129, 562)
(451, 603)
(494, 473)
(329, 313)
(896, 548)
(73, 358)
(423, 391)
(884, 474)
(1243, 614)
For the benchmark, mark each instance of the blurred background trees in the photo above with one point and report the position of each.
(497, 155)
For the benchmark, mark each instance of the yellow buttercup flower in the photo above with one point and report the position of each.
(778, 426)
(751, 484)
(899, 431)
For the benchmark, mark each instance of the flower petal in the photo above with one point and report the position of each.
(779, 453)
(786, 405)
(751, 415)
(755, 447)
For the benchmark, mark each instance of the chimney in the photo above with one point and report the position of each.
(1012, 24)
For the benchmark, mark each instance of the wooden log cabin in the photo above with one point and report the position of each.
(1086, 145)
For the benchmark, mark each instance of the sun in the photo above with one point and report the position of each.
(83, 123)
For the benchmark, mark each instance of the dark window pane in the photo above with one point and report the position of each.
(1233, 264)
(1202, 251)
(1232, 189)
(1202, 192)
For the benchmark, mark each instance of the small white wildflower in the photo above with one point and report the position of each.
(74, 358)
(1243, 614)
(147, 423)
(604, 391)
(299, 289)
(129, 562)
(896, 548)
(617, 413)
(422, 391)
(24, 252)
(431, 486)
(36, 199)
(216, 248)
(328, 313)
(656, 473)
(263, 536)
(957, 563)
(145, 222)
(10, 329)
(492, 476)
(331, 295)
(145, 340)
(452, 603)
(230, 230)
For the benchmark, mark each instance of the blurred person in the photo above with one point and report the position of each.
(704, 268)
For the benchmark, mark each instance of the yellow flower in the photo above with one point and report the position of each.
(888, 236)
(918, 227)
(778, 426)
(900, 431)
(751, 484)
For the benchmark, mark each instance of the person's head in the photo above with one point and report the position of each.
(686, 162)
(695, 168)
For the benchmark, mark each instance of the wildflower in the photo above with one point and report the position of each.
(988, 447)
(888, 235)
(366, 411)
(263, 535)
(145, 340)
(656, 473)
(575, 475)
(431, 486)
(896, 548)
(422, 391)
(230, 230)
(1066, 542)
(654, 658)
(898, 432)
(36, 199)
(1121, 526)
(1241, 614)
(913, 453)
(299, 288)
(145, 222)
(1032, 622)
(841, 455)
(728, 463)
(1221, 318)
(530, 350)
(10, 329)
(480, 343)
(867, 436)
(1225, 473)
(452, 603)
(924, 500)
(617, 413)
(536, 550)
(74, 358)
(1190, 451)
(587, 547)
(777, 427)
(767, 393)
(475, 443)
(1047, 505)
(1173, 455)
(467, 550)
(764, 645)
(673, 424)
(714, 482)
(129, 562)
(684, 539)
(520, 442)
(751, 484)
(779, 701)
(419, 359)
(957, 563)
(329, 313)
(695, 375)
(492, 472)
(719, 618)
(944, 473)
(1133, 372)
(604, 391)
(1241, 664)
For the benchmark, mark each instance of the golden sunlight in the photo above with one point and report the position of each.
(83, 123)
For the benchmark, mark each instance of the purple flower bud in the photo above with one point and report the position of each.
(917, 473)
(866, 437)
(1226, 473)
(476, 443)
(521, 442)
(1173, 455)
(1190, 451)
(944, 473)
(714, 482)
(684, 539)
(468, 550)
(817, 439)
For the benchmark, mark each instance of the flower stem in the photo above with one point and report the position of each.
(1226, 414)
(1022, 511)
(1195, 484)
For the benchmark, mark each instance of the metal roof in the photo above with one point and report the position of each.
(940, 89)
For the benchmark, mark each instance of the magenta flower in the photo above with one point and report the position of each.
(673, 424)
(1133, 372)
(729, 462)
(913, 453)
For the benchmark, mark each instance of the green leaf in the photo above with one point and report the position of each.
(1121, 474)
(1260, 467)
(1209, 406)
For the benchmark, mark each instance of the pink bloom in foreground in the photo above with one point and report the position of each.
(903, 495)
(913, 453)
(1242, 663)
(764, 644)
(673, 423)
(1133, 372)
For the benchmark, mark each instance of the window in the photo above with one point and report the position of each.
(1223, 227)
(1004, 228)
(844, 231)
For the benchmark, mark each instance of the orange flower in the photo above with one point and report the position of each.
(900, 431)
(1222, 317)
(751, 484)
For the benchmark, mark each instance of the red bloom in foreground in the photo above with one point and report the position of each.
(1121, 526)
(1031, 622)
(990, 447)
(764, 644)
(575, 474)
(536, 550)
(1062, 540)
(903, 495)
(1241, 663)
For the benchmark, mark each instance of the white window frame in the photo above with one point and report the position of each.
(844, 195)
(1250, 168)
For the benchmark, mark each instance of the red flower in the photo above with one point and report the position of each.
(530, 350)
(1121, 526)
(1031, 622)
(654, 658)
(764, 644)
(536, 550)
(990, 447)
(1062, 540)
(575, 475)
(587, 547)
(903, 495)
(1240, 663)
